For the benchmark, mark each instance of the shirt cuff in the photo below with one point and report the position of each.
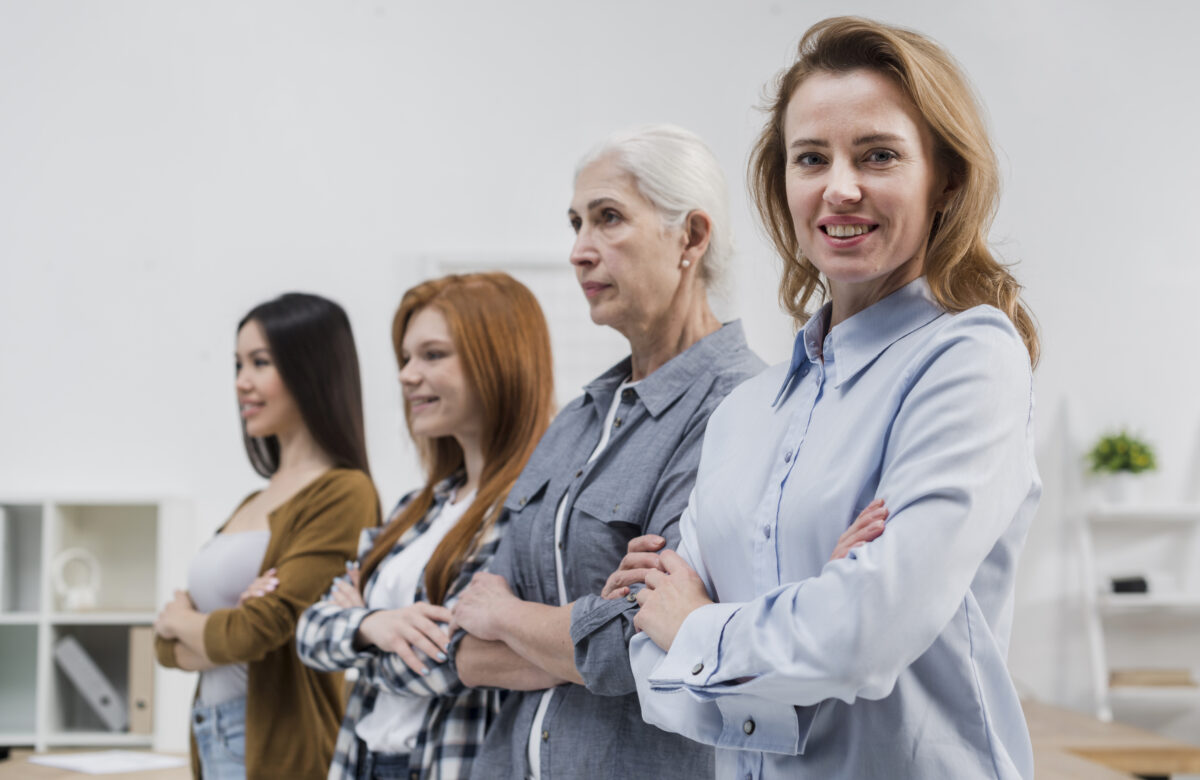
(694, 658)
(590, 613)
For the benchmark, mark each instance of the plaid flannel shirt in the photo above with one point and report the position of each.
(457, 717)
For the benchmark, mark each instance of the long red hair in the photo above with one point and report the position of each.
(503, 343)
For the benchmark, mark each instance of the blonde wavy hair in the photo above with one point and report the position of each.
(959, 266)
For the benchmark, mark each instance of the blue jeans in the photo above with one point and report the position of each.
(220, 733)
(381, 766)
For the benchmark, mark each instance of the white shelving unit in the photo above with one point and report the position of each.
(1156, 630)
(133, 540)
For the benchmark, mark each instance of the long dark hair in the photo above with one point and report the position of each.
(312, 348)
(503, 343)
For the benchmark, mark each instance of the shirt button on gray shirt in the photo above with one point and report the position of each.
(639, 484)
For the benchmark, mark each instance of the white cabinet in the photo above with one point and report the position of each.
(48, 544)
(1145, 645)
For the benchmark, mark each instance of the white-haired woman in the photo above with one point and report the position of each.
(652, 235)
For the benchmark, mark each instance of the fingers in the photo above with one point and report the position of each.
(673, 563)
(346, 595)
(869, 525)
(619, 581)
(434, 611)
(645, 544)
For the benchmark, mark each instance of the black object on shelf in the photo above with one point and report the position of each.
(1130, 585)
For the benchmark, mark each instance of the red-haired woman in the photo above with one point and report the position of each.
(475, 367)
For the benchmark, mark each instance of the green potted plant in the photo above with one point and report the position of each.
(1118, 458)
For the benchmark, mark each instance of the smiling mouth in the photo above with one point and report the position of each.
(846, 231)
(421, 403)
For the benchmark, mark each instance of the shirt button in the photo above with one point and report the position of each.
(767, 531)
(787, 457)
(631, 598)
(522, 501)
(560, 545)
(748, 726)
(617, 423)
(414, 775)
(579, 473)
(698, 668)
(545, 736)
(627, 395)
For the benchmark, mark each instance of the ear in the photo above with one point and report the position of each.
(950, 185)
(697, 232)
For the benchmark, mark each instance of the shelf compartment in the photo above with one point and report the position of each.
(124, 539)
(1172, 602)
(70, 713)
(18, 683)
(1150, 513)
(102, 618)
(20, 557)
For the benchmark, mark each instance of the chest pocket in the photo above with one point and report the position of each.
(617, 500)
(526, 491)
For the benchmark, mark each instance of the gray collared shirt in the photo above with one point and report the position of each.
(638, 484)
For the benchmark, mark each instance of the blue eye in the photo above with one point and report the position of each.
(809, 159)
(881, 156)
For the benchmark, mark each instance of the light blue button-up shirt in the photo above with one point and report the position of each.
(889, 663)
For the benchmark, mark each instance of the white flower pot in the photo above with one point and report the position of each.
(1121, 487)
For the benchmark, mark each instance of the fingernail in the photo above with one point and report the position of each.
(441, 656)
(424, 670)
(877, 525)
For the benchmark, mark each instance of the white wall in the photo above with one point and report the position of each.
(165, 166)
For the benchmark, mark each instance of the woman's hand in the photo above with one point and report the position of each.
(867, 526)
(641, 557)
(669, 597)
(262, 585)
(347, 594)
(402, 631)
(169, 619)
(480, 606)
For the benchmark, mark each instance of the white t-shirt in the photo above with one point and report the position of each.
(392, 726)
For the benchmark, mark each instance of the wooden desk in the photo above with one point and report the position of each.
(18, 767)
(1069, 744)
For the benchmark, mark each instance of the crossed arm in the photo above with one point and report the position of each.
(524, 645)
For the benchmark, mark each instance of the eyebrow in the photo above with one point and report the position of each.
(873, 138)
(594, 204)
(254, 352)
(431, 342)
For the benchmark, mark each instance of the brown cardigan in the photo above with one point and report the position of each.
(292, 712)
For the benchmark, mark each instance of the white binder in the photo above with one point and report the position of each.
(96, 689)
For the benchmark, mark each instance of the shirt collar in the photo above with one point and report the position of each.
(860, 339)
(660, 389)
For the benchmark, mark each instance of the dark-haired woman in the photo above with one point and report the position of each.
(259, 712)
(474, 355)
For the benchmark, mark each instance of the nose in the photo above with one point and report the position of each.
(409, 375)
(842, 185)
(242, 381)
(584, 253)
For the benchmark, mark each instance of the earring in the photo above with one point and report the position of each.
(686, 263)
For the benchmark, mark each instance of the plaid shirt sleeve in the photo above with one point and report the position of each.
(457, 717)
(325, 632)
